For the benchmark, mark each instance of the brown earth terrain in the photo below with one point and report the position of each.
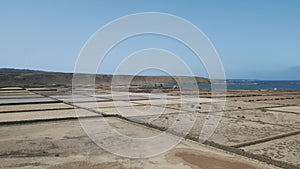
(40, 128)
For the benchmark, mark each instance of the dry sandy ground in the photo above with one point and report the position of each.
(60, 145)
(286, 149)
(258, 122)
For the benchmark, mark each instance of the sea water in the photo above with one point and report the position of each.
(242, 85)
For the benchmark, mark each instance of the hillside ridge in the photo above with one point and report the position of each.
(26, 77)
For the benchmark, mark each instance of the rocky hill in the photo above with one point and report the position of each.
(25, 78)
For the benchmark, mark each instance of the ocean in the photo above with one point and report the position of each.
(242, 84)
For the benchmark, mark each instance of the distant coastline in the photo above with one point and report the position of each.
(243, 85)
(27, 77)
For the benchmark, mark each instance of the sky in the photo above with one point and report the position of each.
(254, 39)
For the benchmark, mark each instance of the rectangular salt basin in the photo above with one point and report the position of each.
(26, 101)
(123, 97)
(269, 117)
(202, 107)
(13, 93)
(249, 105)
(154, 95)
(41, 89)
(134, 96)
(156, 102)
(82, 99)
(255, 98)
(68, 96)
(159, 96)
(135, 111)
(106, 95)
(293, 109)
(12, 88)
(23, 96)
(44, 115)
(110, 95)
(286, 102)
(105, 104)
(198, 100)
(28, 107)
(284, 149)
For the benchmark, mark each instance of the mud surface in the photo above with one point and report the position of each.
(199, 160)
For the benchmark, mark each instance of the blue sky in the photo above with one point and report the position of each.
(254, 38)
